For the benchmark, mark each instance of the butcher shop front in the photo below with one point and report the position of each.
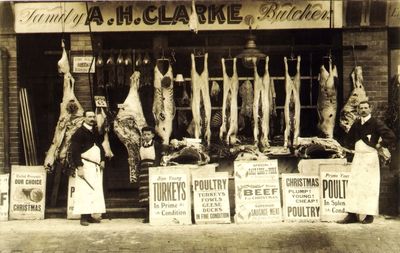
(224, 84)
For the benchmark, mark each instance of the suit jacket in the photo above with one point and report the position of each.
(81, 141)
(373, 127)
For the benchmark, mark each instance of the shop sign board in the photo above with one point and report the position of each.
(211, 198)
(28, 192)
(394, 13)
(257, 191)
(71, 17)
(70, 201)
(334, 181)
(83, 64)
(300, 197)
(311, 166)
(4, 199)
(169, 198)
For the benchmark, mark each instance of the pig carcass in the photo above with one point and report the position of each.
(163, 103)
(327, 102)
(230, 94)
(292, 99)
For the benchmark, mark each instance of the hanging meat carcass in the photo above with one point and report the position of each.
(163, 104)
(327, 102)
(103, 127)
(348, 113)
(194, 19)
(128, 125)
(230, 94)
(247, 95)
(292, 99)
(261, 101)
(200, 92)
(71, 116)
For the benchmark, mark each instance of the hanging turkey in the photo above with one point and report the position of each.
(70, 119)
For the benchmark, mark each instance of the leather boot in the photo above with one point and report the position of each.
(84, 220)
(368, 219)
(350, 218)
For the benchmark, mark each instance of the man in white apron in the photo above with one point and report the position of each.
(362, 196)
(87, 157)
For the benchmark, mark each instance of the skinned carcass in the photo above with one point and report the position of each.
(261, 95)
(163, 103)
(201, 93)
(230, 94)
(246, 110)
(348, 114)
(327, 101)
(128, 125)
(292, 99)
(103, 127)
(71, 116)
(194, 19)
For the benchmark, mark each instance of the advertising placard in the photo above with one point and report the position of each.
(170, 201)
(334, 180)
(83, 64)
(28, 192)
(300, 197)
(211, 198)
(4, 197)
(70, 201)
(257, 192)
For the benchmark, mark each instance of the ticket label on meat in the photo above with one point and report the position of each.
(334, 181)
(169, 195)
(4, 196)
(28, 192)
(257, 192)
(300, 197)
(211, 198)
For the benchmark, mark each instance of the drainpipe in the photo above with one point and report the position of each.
(6, 132)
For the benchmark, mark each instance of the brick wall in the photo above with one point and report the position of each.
(8, 41)
(82, 42)
(374, 62)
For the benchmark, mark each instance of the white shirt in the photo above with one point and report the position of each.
(89, 127)
(365, 119)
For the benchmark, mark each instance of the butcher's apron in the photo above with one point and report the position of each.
(363, 188)
(86, 199)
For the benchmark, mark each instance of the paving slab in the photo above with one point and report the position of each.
(131, 235)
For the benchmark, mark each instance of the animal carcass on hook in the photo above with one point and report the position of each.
(71, 117)
(128, 125)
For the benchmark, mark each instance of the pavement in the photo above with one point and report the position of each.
(131, 235)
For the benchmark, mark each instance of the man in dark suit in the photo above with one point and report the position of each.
(87, 158)
(367, 135)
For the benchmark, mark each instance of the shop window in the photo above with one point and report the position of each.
(354, 12)
(378, 13)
